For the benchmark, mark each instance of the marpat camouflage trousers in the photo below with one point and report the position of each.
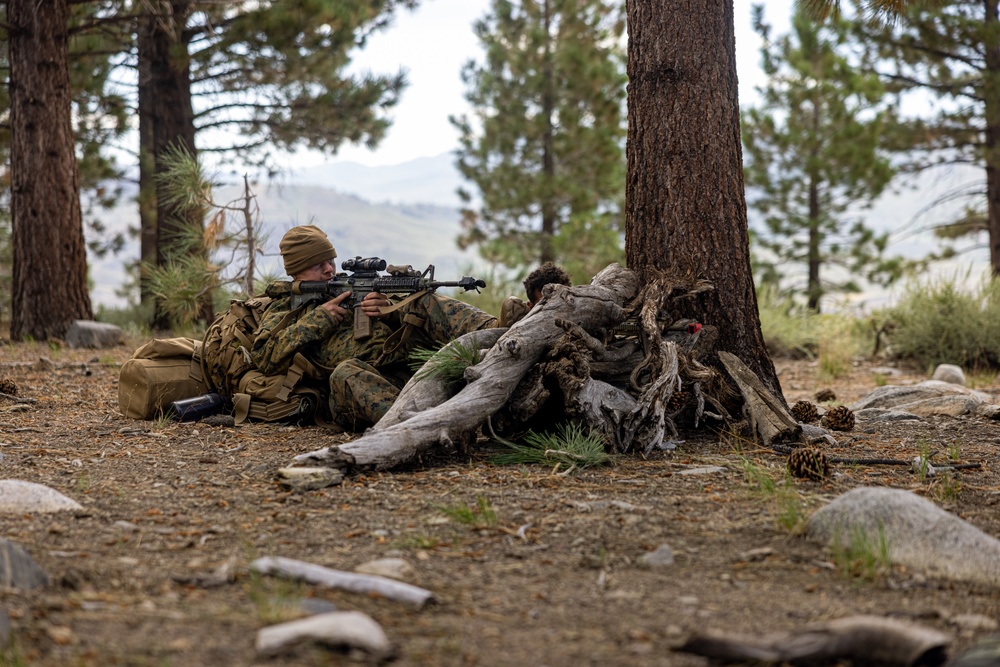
(364, 385)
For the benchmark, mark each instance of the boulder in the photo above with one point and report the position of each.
(920, 535)
(90, 334)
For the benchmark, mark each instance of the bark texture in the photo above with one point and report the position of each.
(685, 210)
(50, 259)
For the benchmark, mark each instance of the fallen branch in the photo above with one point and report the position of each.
(347, 581)
(768, 416)
(872, 640)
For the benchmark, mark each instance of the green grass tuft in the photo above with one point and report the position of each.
(447, 363)
(481, 516)
(571, 446)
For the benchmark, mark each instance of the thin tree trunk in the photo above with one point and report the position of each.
(813, 288)
(548, 160)
(50, 258)
(147, 161)
(685, 209)
(991, 102)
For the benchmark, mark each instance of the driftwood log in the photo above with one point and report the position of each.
(769, 418)
(366, 584)
(871, 640)
(559, 363)
(492, 381)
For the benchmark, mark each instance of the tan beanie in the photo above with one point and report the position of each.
(303, 247)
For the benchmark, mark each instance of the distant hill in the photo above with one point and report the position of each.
(417, 234)
(431, 180)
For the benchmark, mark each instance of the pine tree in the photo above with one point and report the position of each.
(814, 159)
(49, 281)
(950, 51)
(544, 145)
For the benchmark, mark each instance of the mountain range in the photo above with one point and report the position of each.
(401, 213)
(409, 214)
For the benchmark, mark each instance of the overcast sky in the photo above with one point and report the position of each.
(434, 41)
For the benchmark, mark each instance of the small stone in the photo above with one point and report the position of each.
(60, 634)
(87, 333)
(701, 470)
(20, 497)
(309, 479)
(662, 556)
(18, 569)
(949, 373)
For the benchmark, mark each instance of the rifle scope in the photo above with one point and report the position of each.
(366, 264)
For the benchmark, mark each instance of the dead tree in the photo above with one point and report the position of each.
(556, 360)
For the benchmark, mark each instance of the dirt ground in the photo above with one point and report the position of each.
(556, 581)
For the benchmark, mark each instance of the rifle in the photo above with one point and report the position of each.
(365, 279)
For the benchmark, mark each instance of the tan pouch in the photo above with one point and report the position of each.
(160, 372)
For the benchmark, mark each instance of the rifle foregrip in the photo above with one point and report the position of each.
(362, 325)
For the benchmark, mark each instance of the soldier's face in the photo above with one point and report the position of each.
(322, 271)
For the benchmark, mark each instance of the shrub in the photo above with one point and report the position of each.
(945, 321)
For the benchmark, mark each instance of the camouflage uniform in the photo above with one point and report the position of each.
(366, 375)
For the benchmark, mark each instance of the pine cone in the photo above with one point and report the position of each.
(839, 418)
(824, 395)
(805, 412)
(808, 463)
(677, 401)
(8, 386)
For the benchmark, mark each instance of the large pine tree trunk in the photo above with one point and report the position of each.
(685, 210)
(50, 258)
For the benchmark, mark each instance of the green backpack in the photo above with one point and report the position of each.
(299, 395)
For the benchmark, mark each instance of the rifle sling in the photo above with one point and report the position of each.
(401, 336)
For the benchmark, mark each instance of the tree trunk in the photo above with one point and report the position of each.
(685, 209)
(165, 104)
(50, 259)
(991, 104)
(147, 161)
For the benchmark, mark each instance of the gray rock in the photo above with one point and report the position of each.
(87, 333)
(949, 373)
(887, 371)
(19, 570)
(931, 397)
(701, 470)
(884, 415)
(309, 479)
(817, 435)
(919, 534)
(20, 497)
(662, 556)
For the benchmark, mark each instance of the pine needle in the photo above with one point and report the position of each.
(570, 446)
(447, 364)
